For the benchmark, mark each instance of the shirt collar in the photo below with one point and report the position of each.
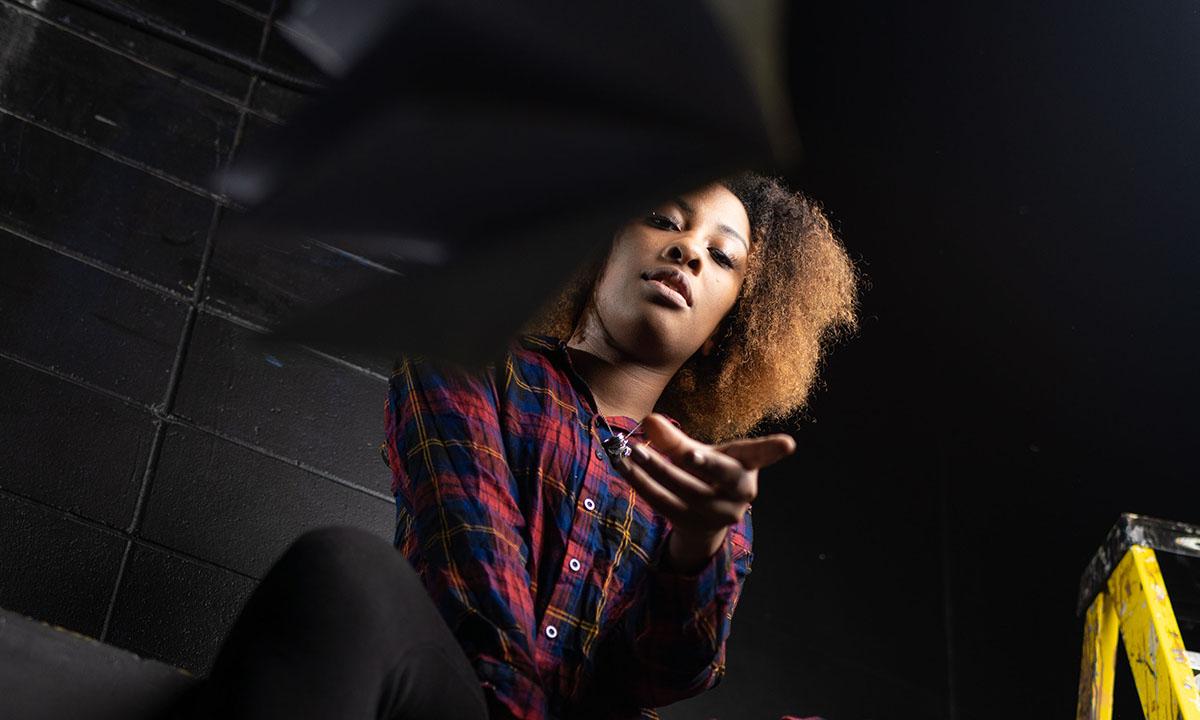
(556, 349)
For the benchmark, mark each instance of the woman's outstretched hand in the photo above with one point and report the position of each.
(702, 489)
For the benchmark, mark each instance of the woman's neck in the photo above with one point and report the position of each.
(620, 385)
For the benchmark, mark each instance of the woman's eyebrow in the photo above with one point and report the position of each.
(725, 229)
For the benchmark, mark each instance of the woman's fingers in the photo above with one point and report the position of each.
(750, 453)
(659, 497)
(757, 453)
(695, 457)
(715, 468)
(717, 482)
(670, 440)
(683, 484)
(692, 484)
(705, 511)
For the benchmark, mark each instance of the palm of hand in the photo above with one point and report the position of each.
(702, 489)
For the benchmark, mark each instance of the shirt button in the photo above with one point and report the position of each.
(599, 454)
(574, 565)
(589, 504)
(551, 632)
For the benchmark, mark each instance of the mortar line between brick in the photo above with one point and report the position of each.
(189, 324)
(112, 598)
(97, 264)
(203, 305)
(185, 337)
(172, 419)
(196, 85)
(173, 381)
(346, 363)
(256, 14)
(80, 382)
(128, 162)
(116, 50)
(112, 532)
(300, 464)
(209, 309)
(163, 410)
(139, 508)
(268, 24)
(135, 521)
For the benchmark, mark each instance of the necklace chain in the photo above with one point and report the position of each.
(617, 444)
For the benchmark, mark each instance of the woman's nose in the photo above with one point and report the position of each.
(684, 253)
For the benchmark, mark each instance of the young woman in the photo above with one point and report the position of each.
(574, 521)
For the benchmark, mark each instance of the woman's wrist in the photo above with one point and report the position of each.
(689, 553)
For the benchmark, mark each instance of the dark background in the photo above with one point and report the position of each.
(1017, 181)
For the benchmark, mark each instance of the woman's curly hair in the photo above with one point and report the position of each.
(798, 295)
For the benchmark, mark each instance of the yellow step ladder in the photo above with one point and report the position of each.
(1123, 590)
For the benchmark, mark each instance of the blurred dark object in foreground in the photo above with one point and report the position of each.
(507, 143)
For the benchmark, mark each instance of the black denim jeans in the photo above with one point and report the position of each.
(340, 627)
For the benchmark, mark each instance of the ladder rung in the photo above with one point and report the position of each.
(1194, 659)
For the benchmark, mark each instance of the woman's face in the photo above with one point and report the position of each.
(673, 274)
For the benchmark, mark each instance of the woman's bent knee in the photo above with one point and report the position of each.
(341, 552)
(343, 566)
(339, 541)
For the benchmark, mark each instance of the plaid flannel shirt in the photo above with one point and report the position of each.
(544, 562)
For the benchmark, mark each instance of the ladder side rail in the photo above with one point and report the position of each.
(1151, 638)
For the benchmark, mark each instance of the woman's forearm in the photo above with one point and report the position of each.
(689, 554)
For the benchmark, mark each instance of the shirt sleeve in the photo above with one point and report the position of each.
(671, 643)
(465, 532)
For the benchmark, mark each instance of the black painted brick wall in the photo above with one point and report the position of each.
(155, 457)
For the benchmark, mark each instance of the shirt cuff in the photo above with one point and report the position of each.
(682, 594)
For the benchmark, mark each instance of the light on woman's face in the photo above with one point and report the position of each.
(674, 274)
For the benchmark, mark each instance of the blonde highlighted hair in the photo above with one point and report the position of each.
(799, 294)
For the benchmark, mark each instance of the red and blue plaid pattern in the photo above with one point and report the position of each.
(541, 558)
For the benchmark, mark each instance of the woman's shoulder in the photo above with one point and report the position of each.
(537, 344)
(539, 358)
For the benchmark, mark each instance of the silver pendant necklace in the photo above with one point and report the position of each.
(617, 443)
(616, 446)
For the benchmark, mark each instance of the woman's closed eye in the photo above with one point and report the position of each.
(722, 258)
(662, 222)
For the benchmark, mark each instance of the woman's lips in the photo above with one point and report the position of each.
(665, 291)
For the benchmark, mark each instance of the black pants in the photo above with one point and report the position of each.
(340, 627)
